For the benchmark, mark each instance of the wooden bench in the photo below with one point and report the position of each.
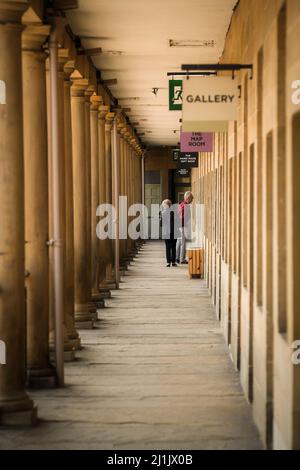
(196, 262)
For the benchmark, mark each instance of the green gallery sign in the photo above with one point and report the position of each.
(175, 95)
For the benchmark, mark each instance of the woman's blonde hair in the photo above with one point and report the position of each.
(166, 203)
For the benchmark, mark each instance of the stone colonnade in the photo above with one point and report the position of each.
(86, 116)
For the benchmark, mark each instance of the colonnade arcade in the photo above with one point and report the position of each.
(65, 148)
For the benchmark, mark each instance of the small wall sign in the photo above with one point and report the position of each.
(175, 95)
(183, 172)
(188, 160)
(196, 141)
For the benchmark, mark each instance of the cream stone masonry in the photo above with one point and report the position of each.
(251, 217)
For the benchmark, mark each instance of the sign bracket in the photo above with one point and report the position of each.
(183, 74)
(201, 68)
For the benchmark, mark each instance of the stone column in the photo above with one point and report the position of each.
(126, 186)
(88, 93)
(15, 405)
(130, 189)
(72, 334)
(69, 352)
(95, 198)
(83, 317)
(103, 110)
(108, 169)
(39, 371)
(122, 218)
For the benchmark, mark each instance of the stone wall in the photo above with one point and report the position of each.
(249, 187)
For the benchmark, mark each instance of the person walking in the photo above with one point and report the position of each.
(185, 220)
(168, 232)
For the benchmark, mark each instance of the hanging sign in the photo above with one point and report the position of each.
(176, 153)
(209, 103)
(175, 95)
(183, 172)
(188, 160)
(199, 141)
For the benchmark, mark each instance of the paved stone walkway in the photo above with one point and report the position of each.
(154, 374)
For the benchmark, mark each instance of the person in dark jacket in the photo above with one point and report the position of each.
(168, 232)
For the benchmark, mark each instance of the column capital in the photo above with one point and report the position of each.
(109, 118)
(96, 101)
(79, 87)
(68, 70)
(87, 97)
(123, 131)
(121, 128)
(103, 110)
(127, 135)
(11, 11)
(62, 59)
(33, 38)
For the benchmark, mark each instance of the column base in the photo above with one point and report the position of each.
(19, 418)
(93, 311)
(76, 343)
(124, 267)
(18, 410)
(98, 301)
(74, 339)
(41, 378)
(69, 356)
(104, 291)
(85, 325)
(111, 284)
(129, 259)
(84, 317)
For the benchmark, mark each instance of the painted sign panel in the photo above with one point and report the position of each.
(199, 141)
(212, 101)
(176, 153)
(175, 95)
(183, 172)
(188, 160)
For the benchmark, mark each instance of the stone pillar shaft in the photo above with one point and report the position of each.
(87, 125)
(95, 100)
(103, 110)
(39, 371)
(68, 346)
(108, 167)
(15, 405)
(83, 316)
(72, 334)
